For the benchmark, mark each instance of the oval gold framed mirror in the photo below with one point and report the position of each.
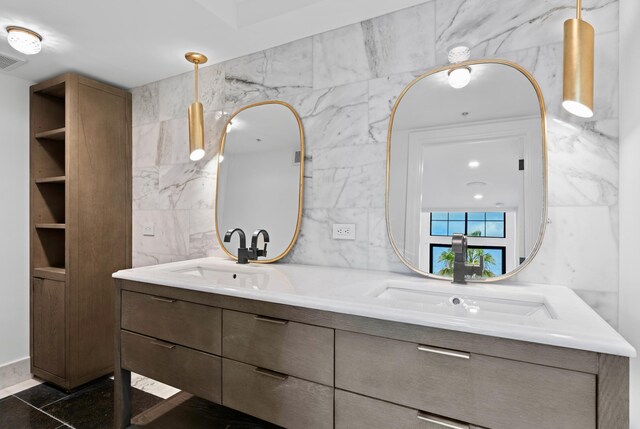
(259, 185)
(468, 156)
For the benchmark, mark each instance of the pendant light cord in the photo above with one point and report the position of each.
(196, 64)
(579, 9)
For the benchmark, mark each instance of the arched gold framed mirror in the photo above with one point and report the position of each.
(260, 179)
(468, 158)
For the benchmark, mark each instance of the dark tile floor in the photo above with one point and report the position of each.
(45, 407)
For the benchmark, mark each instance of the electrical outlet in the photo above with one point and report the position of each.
(344, 231)
(147, 230)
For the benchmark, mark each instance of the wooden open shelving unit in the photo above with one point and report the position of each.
(80, 146)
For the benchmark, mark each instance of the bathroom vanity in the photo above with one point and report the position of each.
(310, 347)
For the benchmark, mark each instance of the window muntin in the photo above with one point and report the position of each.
(471, 224)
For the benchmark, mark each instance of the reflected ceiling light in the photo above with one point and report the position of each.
(459, 77)
(579, 39)
(196, 113)
(474, 164)
(478, 196)
(24, 40)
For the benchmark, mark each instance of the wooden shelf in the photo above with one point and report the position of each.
(57, 90)
(56, 179)
(57, 134)
(50, 225)
(51, 273)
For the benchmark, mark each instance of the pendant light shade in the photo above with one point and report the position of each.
(579, 42)
(196, 113)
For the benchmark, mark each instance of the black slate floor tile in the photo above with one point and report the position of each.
(41, 395)
(197, 413)
(15, 414)
(92, 406)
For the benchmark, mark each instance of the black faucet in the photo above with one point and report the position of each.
(244, 254)
(254, 242)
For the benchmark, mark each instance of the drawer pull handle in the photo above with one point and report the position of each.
(445, 352)
(272, 374)
(163, 345)
(167, 300)
(440, 421)
(271, 320)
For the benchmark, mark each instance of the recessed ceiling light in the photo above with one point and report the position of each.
(478, 196)
(24, 40)
(474, 164)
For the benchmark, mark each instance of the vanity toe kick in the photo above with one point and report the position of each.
(275, 397)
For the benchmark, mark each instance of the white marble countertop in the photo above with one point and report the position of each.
(570, 322)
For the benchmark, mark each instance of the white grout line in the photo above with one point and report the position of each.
(44, 412)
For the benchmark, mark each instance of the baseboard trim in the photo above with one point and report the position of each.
(15, 372)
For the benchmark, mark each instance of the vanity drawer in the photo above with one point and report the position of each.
(488, 391)
(359, 412)
(192, 325)
(296, 349)
(277, 398)
(190, 370)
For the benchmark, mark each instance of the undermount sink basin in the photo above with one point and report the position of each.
(465, 301)
(236, 278)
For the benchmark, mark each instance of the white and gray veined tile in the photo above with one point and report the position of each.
(145, 144)
(145, 104)
(316, 247)
(272, 74)
(350, 177)
(173, 142)
(334, 117)
(399, 42)
(187, 186)
(141, 259)
(383, 94)
(176, 93)
(579, 251)
(203, 241)
(171, 233)
(381, 254)
(583, 165)
(494, 26)
(146, 189)
(402, 41)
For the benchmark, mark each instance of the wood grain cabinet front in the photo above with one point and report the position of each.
(179, 322)
(48, 326)
(190, 370)
(277, 398)
(359, 412)
(488, 391)
(297, 349)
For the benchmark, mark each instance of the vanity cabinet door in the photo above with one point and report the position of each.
(488, 391)
(179, 322)
(296, 349)
(359, 412)
(277, 398)
(48, 326)
(190, 370)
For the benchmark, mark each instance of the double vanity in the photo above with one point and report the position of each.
(313, 347)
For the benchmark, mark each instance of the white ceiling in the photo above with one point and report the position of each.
(132, 42)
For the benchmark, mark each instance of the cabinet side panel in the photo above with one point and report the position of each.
(101, 225)
(613, 392)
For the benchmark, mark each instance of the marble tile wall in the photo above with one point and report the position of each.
(344, 83)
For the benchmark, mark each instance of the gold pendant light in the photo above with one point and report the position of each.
(579, 38)
(196, 113)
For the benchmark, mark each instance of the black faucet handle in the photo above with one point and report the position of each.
(254, 242)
